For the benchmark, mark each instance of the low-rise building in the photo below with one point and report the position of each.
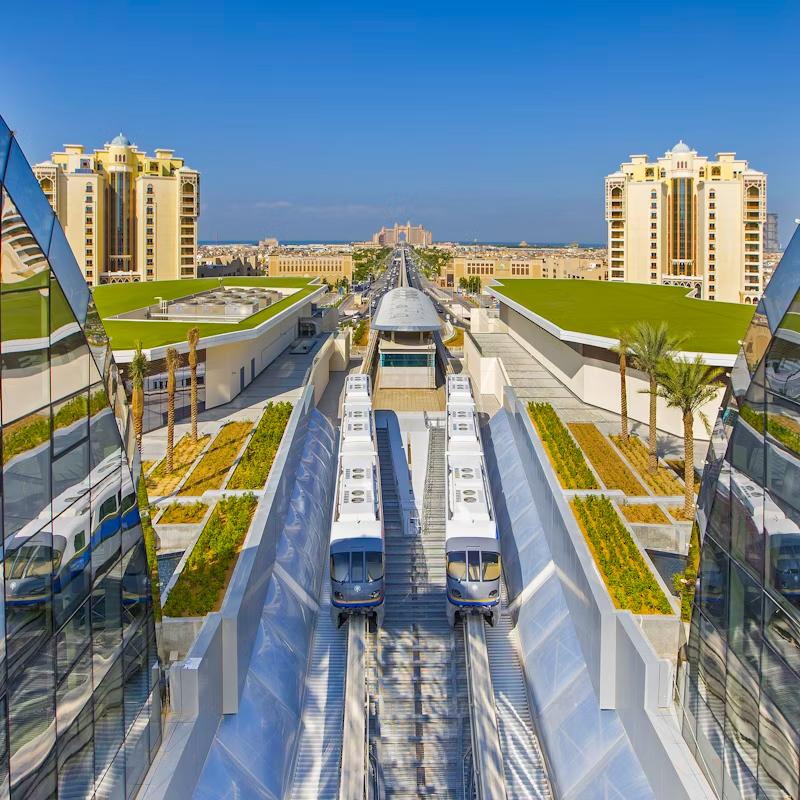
(329, 262)
(502, 263)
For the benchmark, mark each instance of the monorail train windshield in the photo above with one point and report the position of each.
(473, 565)
(357, 567)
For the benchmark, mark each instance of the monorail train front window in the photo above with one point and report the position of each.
(357, 568)
(374, 566)
(457, 565)
(491, 566)
(340, 567)
(474, 564)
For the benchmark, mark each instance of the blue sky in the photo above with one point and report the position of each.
(491, 121)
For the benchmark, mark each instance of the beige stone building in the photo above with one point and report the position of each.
(324, 263)
(128, 216)
(508, 263)
(410, 234)
(687, 220)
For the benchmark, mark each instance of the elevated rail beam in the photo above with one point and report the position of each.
(354, 771)
(487, 755)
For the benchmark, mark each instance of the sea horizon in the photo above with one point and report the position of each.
(253, 242)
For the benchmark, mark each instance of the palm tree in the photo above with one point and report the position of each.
(687, 386)
(172, 364)
(650, 345)
(138, 372)
(193, 337)
(622, 349)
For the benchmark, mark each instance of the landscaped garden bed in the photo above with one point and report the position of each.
(663, 481)
(160, 482)
(565, 456)
(677, 513)
(457, 339)
(201, 584)
(628, 578)
(646, 513)
(607, 464)
(183, 514)
(253, 468)
(215, 464)
(361, 334)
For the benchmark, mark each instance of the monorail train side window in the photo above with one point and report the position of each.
(491, 566)
(474, 564)
(457, 565)
(374, 566)
(340, 566)
(108, 507)
(357, 567)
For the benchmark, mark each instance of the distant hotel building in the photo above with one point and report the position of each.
(685, 220)
(128, 216)
(323, 263)
(408, 233)
(771, 241)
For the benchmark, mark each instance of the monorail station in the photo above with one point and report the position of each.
(406, 322)
(380, 591)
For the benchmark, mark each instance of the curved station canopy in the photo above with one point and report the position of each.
(406, 309)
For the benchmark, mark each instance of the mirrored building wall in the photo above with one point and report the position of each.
(742, 696)
(79, 697)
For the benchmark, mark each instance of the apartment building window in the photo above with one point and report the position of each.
(715, 172)
(652, 195)
(88, 220)
(149, 241)
(89, 262)
(149, 262)
(89, 188)
(712, 236)
(653, 205)
(653, 215)
(653, 226)
(88, 199)
(653, 235)
(712, 226)
(653, 276)
(648, 173)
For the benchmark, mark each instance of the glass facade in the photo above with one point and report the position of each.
(80, 710)
(742, 695)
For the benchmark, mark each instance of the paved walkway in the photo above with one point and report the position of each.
(282, 380)
(533, 382)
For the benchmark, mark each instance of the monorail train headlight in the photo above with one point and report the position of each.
(338, 596)
(456, 593)
(375, 595)
(493, 593)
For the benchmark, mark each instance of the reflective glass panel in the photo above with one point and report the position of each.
(22, 262)
(28, 197)
(24, 352)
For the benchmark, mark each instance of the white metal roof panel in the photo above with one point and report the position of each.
(406, 309)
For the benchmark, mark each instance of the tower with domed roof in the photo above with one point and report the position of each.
(688, 220)
(128, 215)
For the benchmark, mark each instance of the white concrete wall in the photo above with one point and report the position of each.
(487, 373)
(597, 382)
(223, 362)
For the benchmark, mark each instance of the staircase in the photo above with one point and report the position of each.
(526, 778)
(316, 772)
(420, 667)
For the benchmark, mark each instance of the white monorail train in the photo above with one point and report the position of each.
(472, 546)
(356, 548)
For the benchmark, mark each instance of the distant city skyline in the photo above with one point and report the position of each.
(488, 128)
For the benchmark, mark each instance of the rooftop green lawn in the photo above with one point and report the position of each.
(117, 298)
(602, 308)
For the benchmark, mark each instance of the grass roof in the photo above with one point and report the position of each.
(602, 308)
(117, 298)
